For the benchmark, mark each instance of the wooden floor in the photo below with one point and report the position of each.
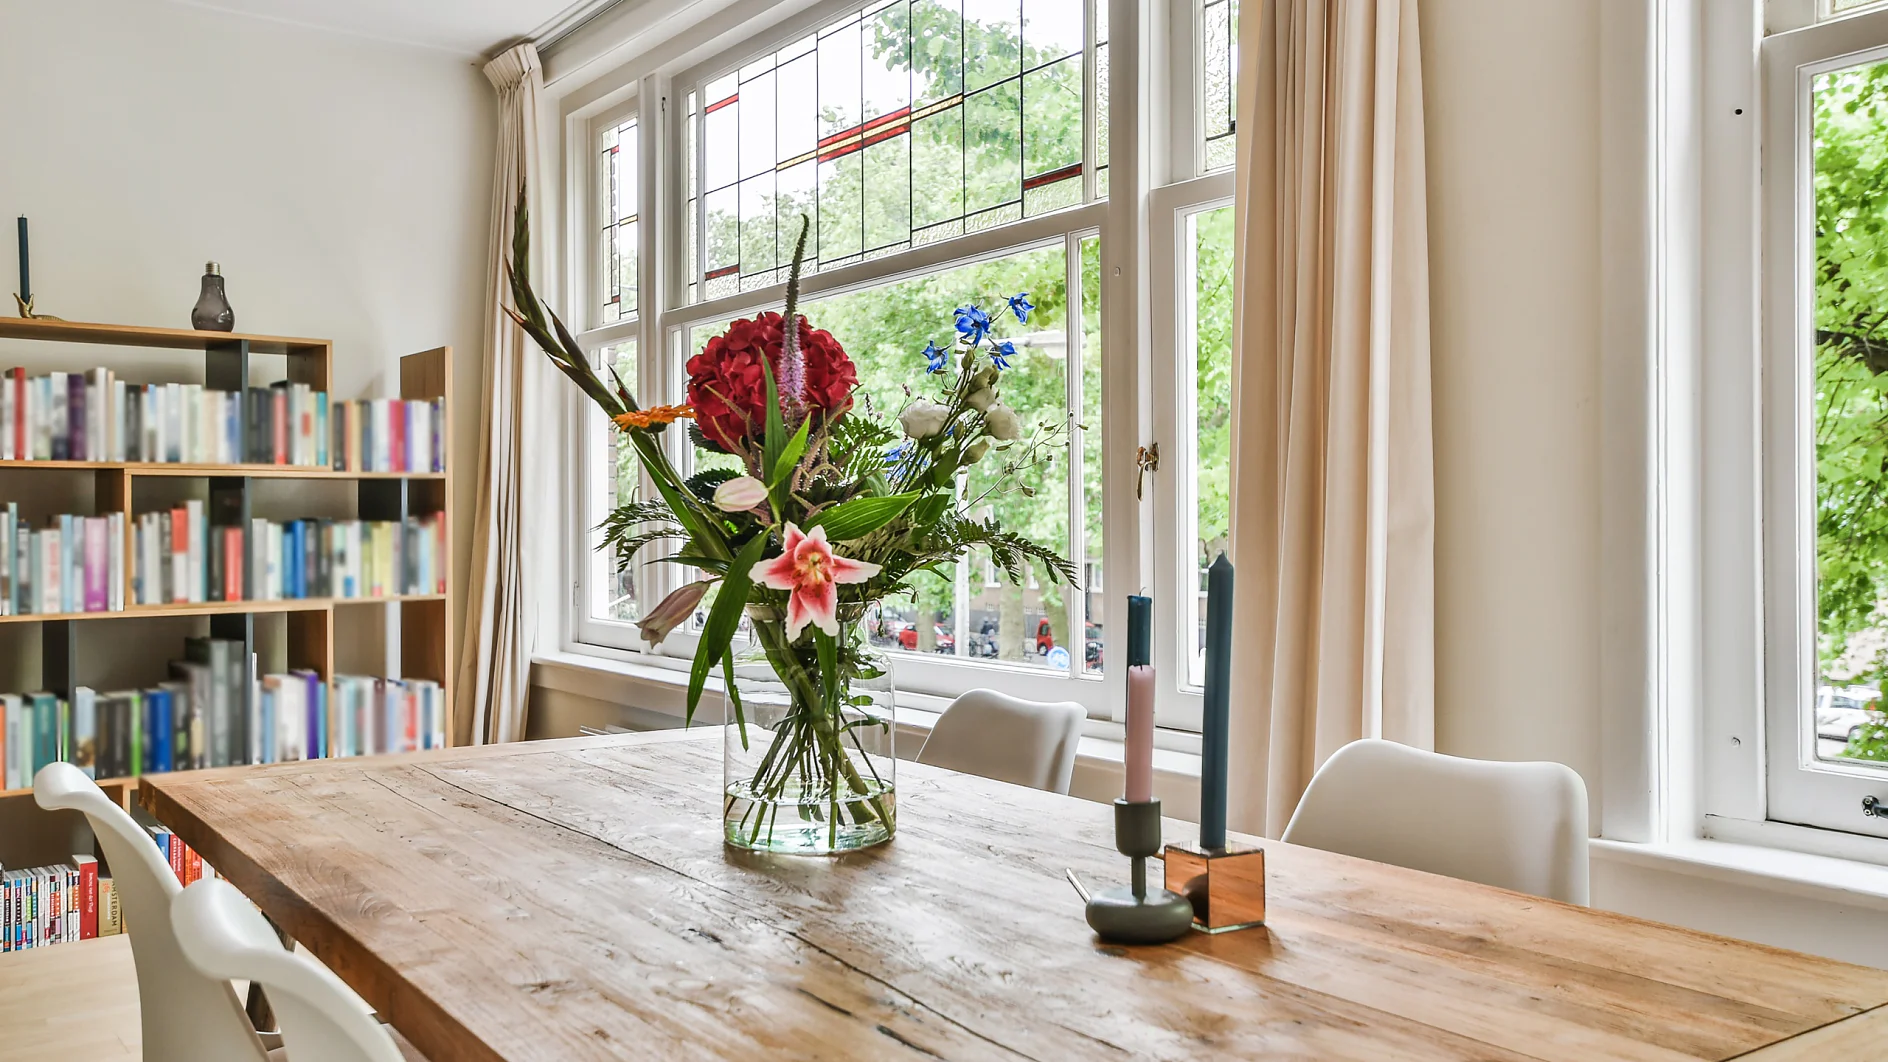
(70, 1003)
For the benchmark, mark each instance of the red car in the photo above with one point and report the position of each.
(908, 638)
(1045, 637)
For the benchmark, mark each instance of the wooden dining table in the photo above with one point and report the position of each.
(572, 900)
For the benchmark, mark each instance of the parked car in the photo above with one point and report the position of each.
(946, 641)
(1045, 637)
(1841, 710)
(1091, 645)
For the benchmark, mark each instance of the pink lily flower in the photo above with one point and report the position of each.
(812, 571)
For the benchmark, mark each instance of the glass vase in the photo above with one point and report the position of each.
(807, 746)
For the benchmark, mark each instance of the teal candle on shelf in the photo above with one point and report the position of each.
(26, 274)
(1214, 713)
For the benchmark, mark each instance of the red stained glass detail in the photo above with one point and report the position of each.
(724, 271)
(713, 107)
(1051, 177)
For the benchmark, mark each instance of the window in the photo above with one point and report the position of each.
(609, 600)
(938, 152)
(1826, 573)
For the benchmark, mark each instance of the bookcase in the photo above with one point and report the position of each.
(236, 362)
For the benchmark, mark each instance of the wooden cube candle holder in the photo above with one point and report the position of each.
(1226, 886)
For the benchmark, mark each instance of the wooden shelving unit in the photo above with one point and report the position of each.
(424, 620)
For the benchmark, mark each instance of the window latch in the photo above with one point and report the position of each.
(1874, 807)
(1146, 460)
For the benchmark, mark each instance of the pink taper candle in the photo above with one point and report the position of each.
(1139, 758)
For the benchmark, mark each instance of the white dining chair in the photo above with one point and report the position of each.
(1007, 738)
(1520, 826)
(186, 1016)
(224, 936)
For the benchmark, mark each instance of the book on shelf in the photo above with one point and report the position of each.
(178, 556)
(388, 435)
(94, 416)
(43, 906)
(73, 564)
(212, 714)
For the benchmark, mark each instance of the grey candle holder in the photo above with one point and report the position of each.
(1133, 915)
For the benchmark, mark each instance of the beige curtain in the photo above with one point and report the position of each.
(1333, 485)
(495, 662)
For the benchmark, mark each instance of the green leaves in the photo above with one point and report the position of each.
(860, 516)
(723, 619)
(779, 480)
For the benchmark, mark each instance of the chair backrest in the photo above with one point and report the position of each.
(322, 1019)
(1009, 739)
(1520, 826)
(186, 1016)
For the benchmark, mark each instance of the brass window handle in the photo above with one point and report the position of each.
(1146, 460)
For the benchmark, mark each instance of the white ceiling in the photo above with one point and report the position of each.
(470, 27)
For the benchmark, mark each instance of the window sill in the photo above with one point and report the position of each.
(655, 693)
(1821, 878)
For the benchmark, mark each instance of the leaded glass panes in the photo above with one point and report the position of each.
(904, 123)
(1219, 66)
(616, 238)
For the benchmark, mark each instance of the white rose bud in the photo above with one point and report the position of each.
(921, 419)
(975, 451)
(740, 494)
(1002, 423)
(981, 399)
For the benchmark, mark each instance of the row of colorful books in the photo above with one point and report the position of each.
(42, 906)
(389, 435)
(202, 720)
(94, 416)
(74, 564)
(178, 556)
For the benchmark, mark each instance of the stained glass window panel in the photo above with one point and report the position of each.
(888, 193)
(617, 174)
(1052, 29)
(877, 103)
(937, 49)
(1219, 66)
(993, 40)
(757, 135)
(1052, 136)
(993, 147)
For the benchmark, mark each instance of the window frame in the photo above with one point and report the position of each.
(1155, 156)
(1799, 788)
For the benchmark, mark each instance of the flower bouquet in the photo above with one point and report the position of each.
(831, 510)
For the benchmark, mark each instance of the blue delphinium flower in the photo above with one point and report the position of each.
(973, 324)
(894, 455)
(1020, 306)
(1001, 353)
(935, 359)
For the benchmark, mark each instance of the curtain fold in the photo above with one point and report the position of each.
(1332, 465)
(495, 661)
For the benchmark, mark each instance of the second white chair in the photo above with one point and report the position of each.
(1007, 738)
(1520, 826)
(187, 1017)
(223, 936)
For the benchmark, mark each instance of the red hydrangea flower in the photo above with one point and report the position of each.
(729, 392)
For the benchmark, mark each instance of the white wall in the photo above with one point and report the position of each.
(1511, 102)
(342, 183)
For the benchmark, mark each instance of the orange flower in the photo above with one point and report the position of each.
(654, 416)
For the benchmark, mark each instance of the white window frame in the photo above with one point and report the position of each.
(1154, 143)
(1801, 789)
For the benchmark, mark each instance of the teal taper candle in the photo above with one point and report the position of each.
(26, 273)
(1214, 709)
(1140, 630)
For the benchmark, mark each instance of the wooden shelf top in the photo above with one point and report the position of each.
(160, 338)
(221, 608)
(187, 470)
